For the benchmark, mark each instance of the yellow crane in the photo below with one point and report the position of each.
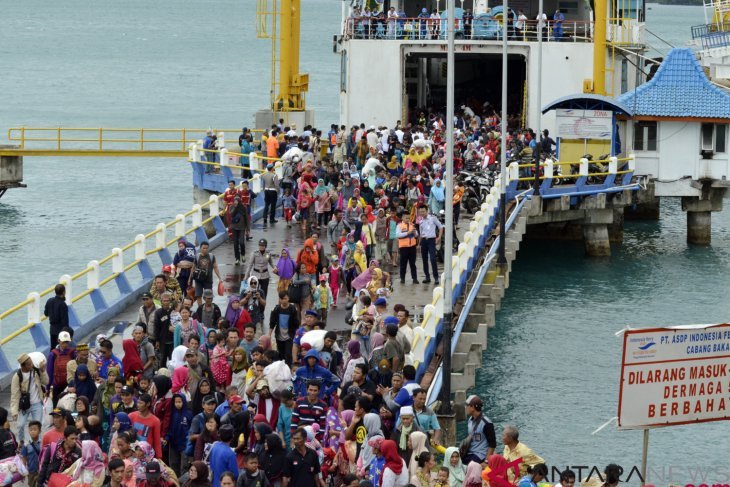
(279, 20)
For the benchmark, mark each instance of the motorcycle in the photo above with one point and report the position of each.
(476, 189)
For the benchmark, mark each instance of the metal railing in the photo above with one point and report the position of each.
(435, 386)
(612, 175)
(421, 29)
(103, 306)
(175, 140)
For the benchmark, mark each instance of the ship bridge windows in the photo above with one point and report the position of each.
(478, 81)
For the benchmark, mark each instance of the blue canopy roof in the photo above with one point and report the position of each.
(587, 101)
(679, 88)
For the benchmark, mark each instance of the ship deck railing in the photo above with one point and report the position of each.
(712, 35)
(422, 29)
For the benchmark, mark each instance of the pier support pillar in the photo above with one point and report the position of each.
(699, 214)
(616, 229)
(596, 240)
(644, 204)
(699, 227)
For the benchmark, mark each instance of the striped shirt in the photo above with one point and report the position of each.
(306, 413)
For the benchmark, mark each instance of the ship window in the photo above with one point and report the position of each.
(645, 136)
(568, 7)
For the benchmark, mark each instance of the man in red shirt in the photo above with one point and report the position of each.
(55, 434)
(147, 425)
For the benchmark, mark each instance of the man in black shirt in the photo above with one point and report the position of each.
(57, 311)
(161, 332)
(302, 464)
(367, 388)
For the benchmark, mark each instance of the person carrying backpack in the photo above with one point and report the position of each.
(26, 393)
(58, 359)
(482, 440)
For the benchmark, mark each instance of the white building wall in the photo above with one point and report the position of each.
(374, 83)
(564, 67)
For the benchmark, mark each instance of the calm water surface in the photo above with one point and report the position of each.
(552, 364)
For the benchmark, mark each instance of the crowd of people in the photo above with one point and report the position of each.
(202, 396)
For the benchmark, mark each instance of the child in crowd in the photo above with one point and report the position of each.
(31, 451)
(252, 476)
(335, 278)
(323, 297)
(289, 203)
(443, 478)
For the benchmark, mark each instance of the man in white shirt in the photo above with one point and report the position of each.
(542, 24)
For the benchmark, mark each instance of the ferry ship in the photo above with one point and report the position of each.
(394, 68)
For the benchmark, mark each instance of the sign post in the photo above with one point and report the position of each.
(672, 376)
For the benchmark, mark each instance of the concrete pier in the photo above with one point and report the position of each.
(699, 214)
(11, 171)
(595, 237)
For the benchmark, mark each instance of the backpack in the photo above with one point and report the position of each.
(46, 456)
(59, 367)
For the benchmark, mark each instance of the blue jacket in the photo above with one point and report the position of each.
(222, 459)
(177, 434)
(306, 374)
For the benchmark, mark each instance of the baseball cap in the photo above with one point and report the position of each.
(208, 293)
(322, 278)
(311, 312)
(58, 412)
(23, 358)
(391, 320)
(64, 336)
(474, 400)
(167, 268)
(190, 352)
(381, 302)
(146, 295)
(152, 468)
(263, 242)
(209, 399)
(261, 384)
(126, 390)
(236, 399)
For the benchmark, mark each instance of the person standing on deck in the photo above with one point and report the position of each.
(259, 267)
(481, 430)
(407, 241)
(57, 311)
(431, 230)
(271, 193)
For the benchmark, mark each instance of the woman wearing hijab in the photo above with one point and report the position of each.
(452, 461)
(371, 422)
(285, 269)
(177, 434)
(273, 460)
(83, 384)
(375, 470)
(204, 388)
(89, 469)
(198, 475)
(184, 260)
(128, 479)
(101, 405)
(237, 315)
(418, 443)
(131, 362)
(496, 472)
(354, 357)
(377, 341)
(146, 454)
(367, 193)
(163, 400)
(473, 475)
(395, 473)
(180, 381)
(121, 424)
(436, 198)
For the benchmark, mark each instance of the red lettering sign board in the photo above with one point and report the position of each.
(674, 375)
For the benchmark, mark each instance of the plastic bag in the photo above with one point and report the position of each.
(221, 289)
(47, 418)
(315, 338)
(278, 375)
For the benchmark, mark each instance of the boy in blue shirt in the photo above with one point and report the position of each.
(31, 451)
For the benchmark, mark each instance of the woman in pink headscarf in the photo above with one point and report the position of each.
(180, 380)
(89, 469)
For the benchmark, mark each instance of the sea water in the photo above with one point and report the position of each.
(552, 367)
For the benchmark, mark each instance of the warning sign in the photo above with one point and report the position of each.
(674, 375)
